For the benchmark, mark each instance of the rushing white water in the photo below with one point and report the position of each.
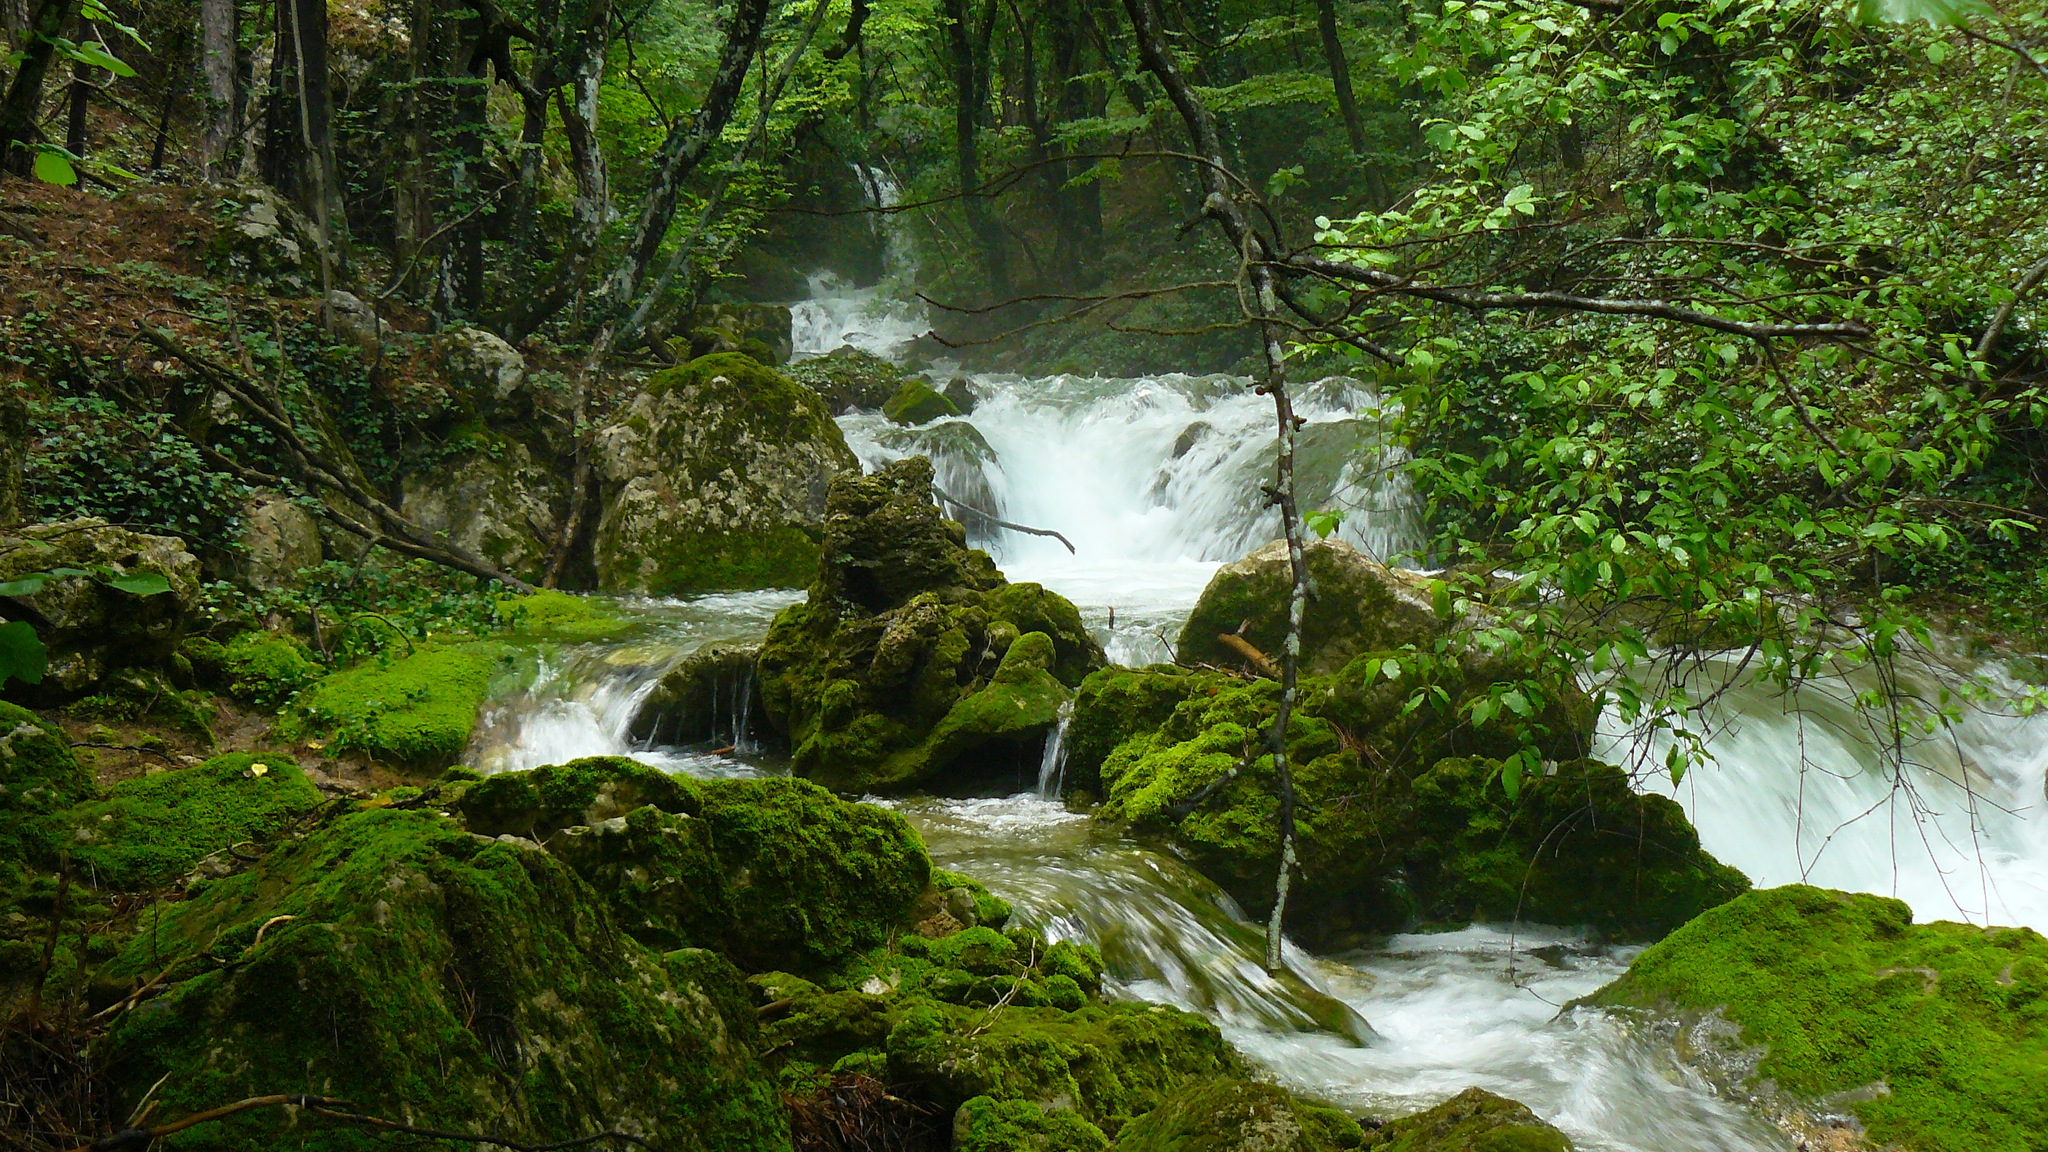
(875, 318)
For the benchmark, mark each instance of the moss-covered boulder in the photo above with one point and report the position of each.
(1355, 605)
(423, 973)
(266, 669)
(1577, 846)
(918, 403)
(563, 617)
(1223, 1115)
(1116, 704)
(714, 478)
(1392, 832)
(849, 378)
(1474, 1120)
(413, 711)
(777, 874)
(497, 498)
(91, 628)
(913, 662)
(39, 780)
(1934, 1036)
(154, 829)
(986, 1124)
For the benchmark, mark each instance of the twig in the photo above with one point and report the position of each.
(1000, 523)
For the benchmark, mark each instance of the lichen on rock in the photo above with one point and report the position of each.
(913, 661)
(1934, 1036)
(714, 478)
(1355, 605)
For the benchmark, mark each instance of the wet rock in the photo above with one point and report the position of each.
(90, 628)
(913, 661)
(959, 392)
(917, 403)
(849, 378)
(711, 695)
(501, 501)
(1355, 605)
(1220, 1115)
(1834, 1008)
(279, 537)
(1474, 1120)
(715, 478)
(463, 985)
(1190, 436)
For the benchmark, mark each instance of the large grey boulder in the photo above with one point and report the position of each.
(714, 478)
(502, 502)
(279, 537)
(91, 629)
(268, 244)
(1355, 605)
(481, 367)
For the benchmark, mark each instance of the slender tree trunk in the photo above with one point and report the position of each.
(18, 109)
(1347, 103)
(81, 94)
(217, 23)
(967, 90)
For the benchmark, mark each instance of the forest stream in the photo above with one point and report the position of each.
(1797, 792)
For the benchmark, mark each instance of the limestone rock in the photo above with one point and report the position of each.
(269, 243)
(355, 319)
(849, 378)
(714, 478)
(917, 403)
(486, 370)
(913, 662)
(279, 537)
(502, 501)
(1474, 1120)
(710, 695)
(959, 392)
(90, 628)
(1355, 605)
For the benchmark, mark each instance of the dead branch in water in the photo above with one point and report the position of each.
(1000, 523)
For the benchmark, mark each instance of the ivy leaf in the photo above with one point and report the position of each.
(22, 655)
(141, 584)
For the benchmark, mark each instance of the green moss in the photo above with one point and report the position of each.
(1222, 1115)
(138, 694)
(266, 669)
(1474, 1120)
(989, 909)
(849, 378)
(985, 1124)
(562, 616)
(917, 402)
(416, 711)
(1844, 991)
(1115, 704)
(537, 804)
(1355, 605)
(153, 829)
(1579, 846)
(464, 985)
(39, 779)
(771, 556)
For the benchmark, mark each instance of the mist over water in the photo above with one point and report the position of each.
(1156, 482)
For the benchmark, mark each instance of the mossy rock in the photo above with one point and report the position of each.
(133, 694)
(1222, 1115)
(415, 711)
(708, 695)
(153, 829)
(1579, 845)
(461, 984)
(1474, 1120)
(266, 669)
(986, 1124)
(91, 629)
(1355, 605)
(849, 378)
(989, 909)
(777, 874)
(713, 478)
(913, 663)
(1386, 839)
(563, 617)
(39, 780)
(918, 403)
(1934, 1035)
(1115, 704)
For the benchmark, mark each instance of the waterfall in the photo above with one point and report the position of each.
(875, 318)
(1052, 767)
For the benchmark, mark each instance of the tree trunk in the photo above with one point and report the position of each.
(300, 140)
(967, 91)
(217, 23)
(81, 94)
(1347, 103)
(24, 97)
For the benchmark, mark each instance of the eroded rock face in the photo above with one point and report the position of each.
(90, 628)
(503, 502)
(913, 662)
(269, 244)
(490, 373)
(715, 478)
(1355, 605)
(1929, 1035)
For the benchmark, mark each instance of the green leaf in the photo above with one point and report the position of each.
(1440, 599)
(22, 655)
(53, 167)
(1511, 776)
(92, 55)
(141, 584)
(1674, 762)
(1516, 702)
(27, 585)
(1940, 13)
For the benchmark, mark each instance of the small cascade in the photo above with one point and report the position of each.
(875, 318)
(1052, 767)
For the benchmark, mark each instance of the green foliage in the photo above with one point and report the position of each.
(39, 779)
(92, 456)
(153, 829)
(1841, 990)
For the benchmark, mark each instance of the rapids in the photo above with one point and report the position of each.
(1156, 482)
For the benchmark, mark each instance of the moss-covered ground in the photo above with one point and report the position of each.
(153, 829)
(1934, 1035)
(415, 710)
